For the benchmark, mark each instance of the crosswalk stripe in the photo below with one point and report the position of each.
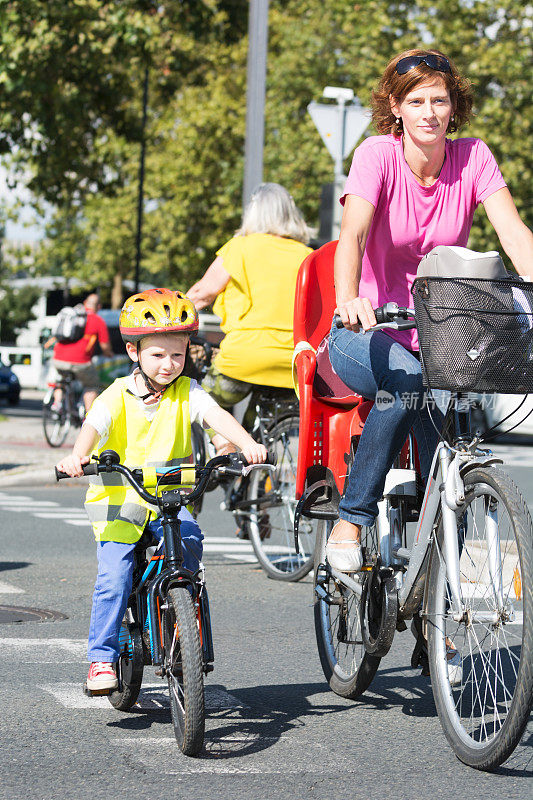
(18, 502)
(151, 696)
(236, 549)
(8, 588)
(43, 651)
(55, 515)
(231, 547)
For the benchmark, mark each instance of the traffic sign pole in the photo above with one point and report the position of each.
(340, 126)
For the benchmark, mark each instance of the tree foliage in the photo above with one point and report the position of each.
(84, 152)
(15, 310)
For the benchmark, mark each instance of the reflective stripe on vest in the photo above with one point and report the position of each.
(116, 511)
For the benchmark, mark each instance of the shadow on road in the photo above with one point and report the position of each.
(9, 565)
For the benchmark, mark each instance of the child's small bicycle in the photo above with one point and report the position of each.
(167, 622)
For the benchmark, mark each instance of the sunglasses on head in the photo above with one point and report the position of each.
(433, 61)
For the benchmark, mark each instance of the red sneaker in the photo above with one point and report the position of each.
(102, 677)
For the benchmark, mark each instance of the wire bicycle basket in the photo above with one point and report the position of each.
(475, 334)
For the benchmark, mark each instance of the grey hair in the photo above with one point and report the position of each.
(271, 209)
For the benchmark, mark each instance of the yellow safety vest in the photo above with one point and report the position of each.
(115, 510)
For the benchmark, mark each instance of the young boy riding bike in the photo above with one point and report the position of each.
(146, 418)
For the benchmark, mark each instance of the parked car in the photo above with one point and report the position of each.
(9, 385)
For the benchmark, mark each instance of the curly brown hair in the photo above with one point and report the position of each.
(393, 85)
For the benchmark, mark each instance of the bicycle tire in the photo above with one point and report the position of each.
(348, 669)
(271, 526)
(129, 668)
(56, 424)
(183, 665)
(485, 712)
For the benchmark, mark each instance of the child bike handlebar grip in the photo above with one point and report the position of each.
(88, 469)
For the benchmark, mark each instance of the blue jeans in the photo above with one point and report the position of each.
(114, 581)
(379, 368)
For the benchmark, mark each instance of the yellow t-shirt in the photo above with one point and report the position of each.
(257, 307)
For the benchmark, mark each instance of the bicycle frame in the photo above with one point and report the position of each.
(442, 499)
(150, 591)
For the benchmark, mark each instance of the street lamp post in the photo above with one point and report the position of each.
(255, 96)
(140, 195)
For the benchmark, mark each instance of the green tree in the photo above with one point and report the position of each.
(15, 311)
(195, 132)
(71, 73)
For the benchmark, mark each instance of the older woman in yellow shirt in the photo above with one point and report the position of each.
(252, 282)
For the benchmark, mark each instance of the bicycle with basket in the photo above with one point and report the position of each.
(167, 622)
(262, 503)
(455, 557)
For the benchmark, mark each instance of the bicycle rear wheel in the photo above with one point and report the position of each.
(271, 524)
(56, 423)
(484, 701)
(129, 667)
(347, 667)
(183, 664)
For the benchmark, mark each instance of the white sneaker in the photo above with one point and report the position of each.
(455, 668)
(344, 559)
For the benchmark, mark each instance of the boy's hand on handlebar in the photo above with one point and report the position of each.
(73, 465)
(356, 313)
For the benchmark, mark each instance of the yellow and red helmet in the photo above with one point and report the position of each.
(156, 311)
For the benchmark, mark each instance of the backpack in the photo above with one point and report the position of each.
(70, 324)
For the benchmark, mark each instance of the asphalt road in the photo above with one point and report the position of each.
(274, 728)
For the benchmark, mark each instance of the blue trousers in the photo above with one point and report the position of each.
(379, 368)
(114, 582)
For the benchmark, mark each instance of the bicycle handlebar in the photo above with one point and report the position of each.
(233, 464)
(389, 315)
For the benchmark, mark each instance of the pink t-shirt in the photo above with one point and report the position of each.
(410, 219)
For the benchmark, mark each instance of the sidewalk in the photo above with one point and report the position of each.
(25, 456)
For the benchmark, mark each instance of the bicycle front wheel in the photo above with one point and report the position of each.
(183, 665)
(271, 524)
(347, 667)
(484, 695)
(56, 424)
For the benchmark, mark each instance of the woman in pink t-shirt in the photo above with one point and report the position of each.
(409, 189)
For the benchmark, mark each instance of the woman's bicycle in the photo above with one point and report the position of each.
(167, 622)
(456, 559)
(264, 502)
(63, 408)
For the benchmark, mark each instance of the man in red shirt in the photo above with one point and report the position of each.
(76, 356)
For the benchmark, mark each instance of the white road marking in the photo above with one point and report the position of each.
(17, 503)
(151, 696)
(59, 514)
(43, 651)
(8, 588)
(231, 547)
(245, 558)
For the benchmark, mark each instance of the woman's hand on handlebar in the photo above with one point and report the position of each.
(73, 465)
(254, 452)
(356, 313)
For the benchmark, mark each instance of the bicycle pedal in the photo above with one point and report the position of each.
(160, 672)
(96, 692)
